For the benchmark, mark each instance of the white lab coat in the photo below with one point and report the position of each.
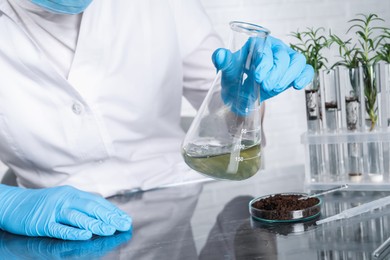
(113, 124)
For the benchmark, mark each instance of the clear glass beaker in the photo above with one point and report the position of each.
(224, 140)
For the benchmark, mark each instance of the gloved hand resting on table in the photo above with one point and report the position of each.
(275, 70)
(60, 212)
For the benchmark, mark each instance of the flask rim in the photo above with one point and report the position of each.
(249, 28)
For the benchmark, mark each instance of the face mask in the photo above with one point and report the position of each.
(63, 6)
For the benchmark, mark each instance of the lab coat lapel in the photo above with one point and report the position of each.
(82, 75)
(42, 59)
(87, 67)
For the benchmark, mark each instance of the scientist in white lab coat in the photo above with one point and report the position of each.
(90, 96)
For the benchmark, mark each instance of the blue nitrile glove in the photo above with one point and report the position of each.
(60, 212)
(276, 69)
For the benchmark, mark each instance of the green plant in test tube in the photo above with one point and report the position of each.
(383, 54)
(311, 43)
(363, 53)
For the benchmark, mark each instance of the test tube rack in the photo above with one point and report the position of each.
(322, 175)
(348, 137)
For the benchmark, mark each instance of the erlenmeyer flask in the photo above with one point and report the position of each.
(224, 140)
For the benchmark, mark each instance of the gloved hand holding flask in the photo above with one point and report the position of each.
(275, 68)
(61, 212)
(225, 138)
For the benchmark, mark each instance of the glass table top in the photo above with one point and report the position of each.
(211, 220)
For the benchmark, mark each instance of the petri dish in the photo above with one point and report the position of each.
(285, 208)
(286, 228)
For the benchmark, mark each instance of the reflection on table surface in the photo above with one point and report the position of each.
(211, 221)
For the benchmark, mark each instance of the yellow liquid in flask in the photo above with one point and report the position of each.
(242, 165)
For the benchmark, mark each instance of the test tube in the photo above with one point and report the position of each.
(387, 79)
(370, 93)
(383, 81)
(351, 114)
(312, 96)
(330, 103)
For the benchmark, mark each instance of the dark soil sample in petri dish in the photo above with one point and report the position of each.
(285, 207)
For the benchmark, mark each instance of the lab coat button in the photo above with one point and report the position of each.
(77, 108)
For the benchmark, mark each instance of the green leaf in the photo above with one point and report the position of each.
(311, 43)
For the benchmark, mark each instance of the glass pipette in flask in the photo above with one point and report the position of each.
(224, 140)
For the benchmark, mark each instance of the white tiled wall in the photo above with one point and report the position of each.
(285, 119)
